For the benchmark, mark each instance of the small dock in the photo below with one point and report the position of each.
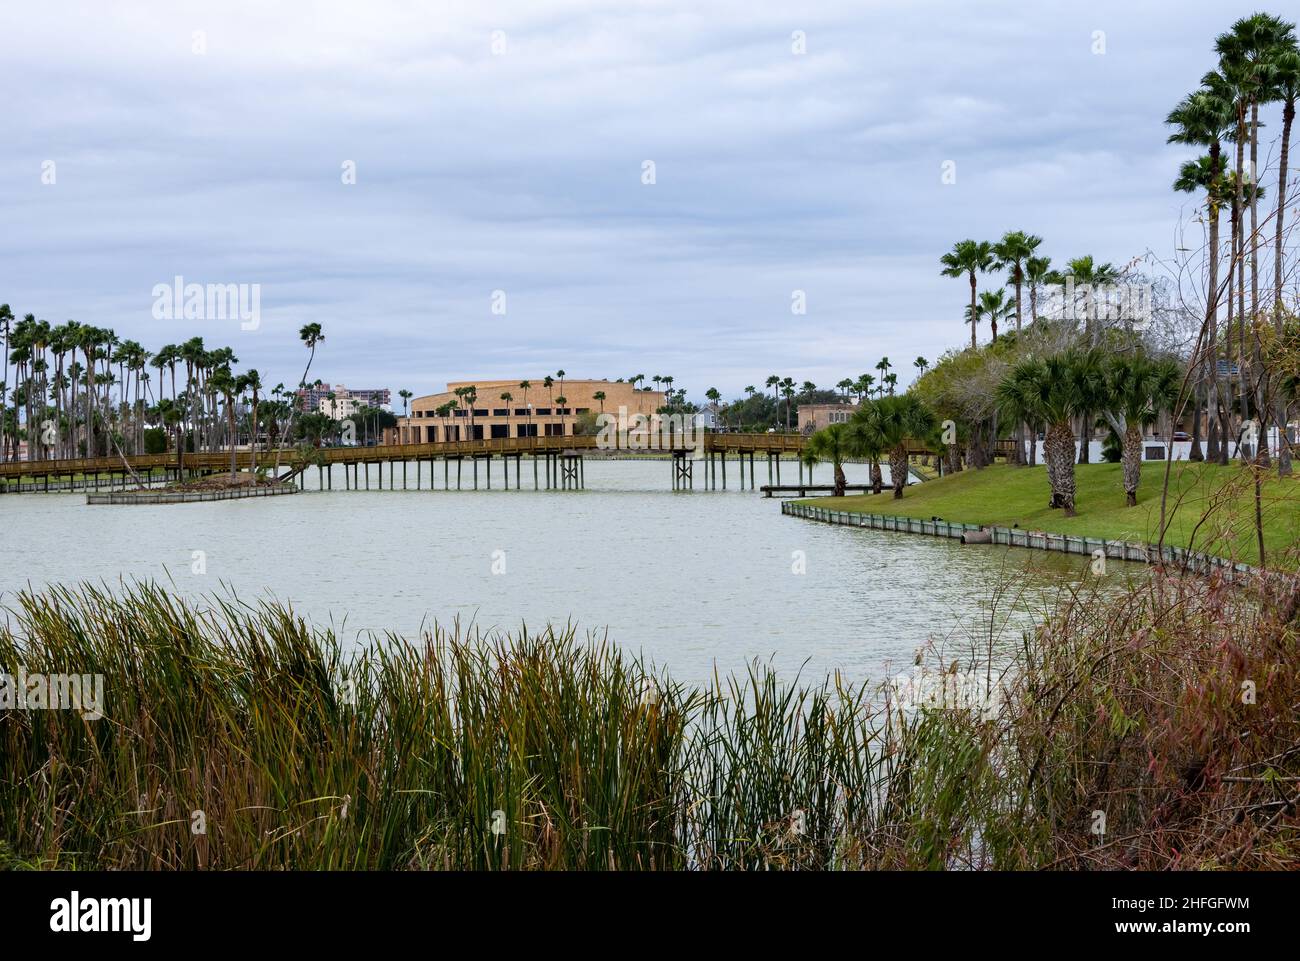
(804, 490)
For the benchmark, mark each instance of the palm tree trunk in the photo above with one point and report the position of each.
(1131, 462)
(1058, 451)
(1279, 405)
(840, 480)
(877, 479)
(898, 469)
(972, 308)
(1198, 392)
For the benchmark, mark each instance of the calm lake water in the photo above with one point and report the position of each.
(689, 579)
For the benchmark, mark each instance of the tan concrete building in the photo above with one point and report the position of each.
(532, 412)
(813, 417)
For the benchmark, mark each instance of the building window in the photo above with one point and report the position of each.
(526, 430)
(543, 411)
(583, 410)
(521, 411)
(501, 412)
(500, 430)
(554, 430)
(478, 412)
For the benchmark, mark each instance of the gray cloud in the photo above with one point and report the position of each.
(522, 171)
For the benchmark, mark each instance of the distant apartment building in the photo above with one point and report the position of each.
(813, 417)
(311, 398)
(339, 408)
(536, 412)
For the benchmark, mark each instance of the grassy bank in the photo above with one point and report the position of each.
(1210, 508)
(239, 737)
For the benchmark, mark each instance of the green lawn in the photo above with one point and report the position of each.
(1220, 499)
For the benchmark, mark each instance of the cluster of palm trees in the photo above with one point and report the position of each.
(881, 428)
(78, 390)
(1259, 67)
(1016, 254)
(1131, 390)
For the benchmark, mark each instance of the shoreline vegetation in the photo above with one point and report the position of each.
(1210, 508)
(1154, 728)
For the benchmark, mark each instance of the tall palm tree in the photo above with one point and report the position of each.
(600, 396)
(252, 381)
(310, 335)
(88, 341)
(1055, 391)
(1286, 75)
(967, 258)
(6, 321)
(1204, 119)
(774, 382)
(1139, 390)
(1013, 252)
(1037, 270)
(787, 391)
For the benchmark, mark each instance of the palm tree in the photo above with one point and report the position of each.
(966, 258)
(600, 396)
(994, 305)
(224, 383)
(834, 443)
(866, 441)
(1054, 391)
(406, 395)
(787, 391)
(891, 422)
(1139, 390)
(1204, 119)
(310, 335)
(774, 382)
(525, 386)
(1037, 270)
(1286, 74)
(862, 387)
(252, 381)
(6, 320)
(883, 366)
(88, 340)
(845, 386)
(1013, 252)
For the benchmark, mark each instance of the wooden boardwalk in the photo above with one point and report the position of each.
(561, 457)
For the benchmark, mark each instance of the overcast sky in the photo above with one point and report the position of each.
(521, 170)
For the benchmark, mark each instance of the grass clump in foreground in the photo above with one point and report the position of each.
(1209, 508)
(541, 751)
